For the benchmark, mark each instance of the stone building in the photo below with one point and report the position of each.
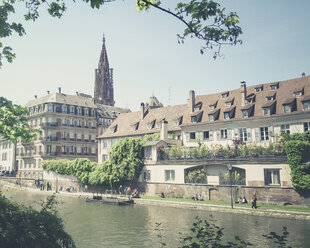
(7, 155)
(253, 115)
(69, 123)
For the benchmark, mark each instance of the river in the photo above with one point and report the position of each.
(97, 225)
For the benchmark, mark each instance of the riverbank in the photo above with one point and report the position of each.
(302, 214)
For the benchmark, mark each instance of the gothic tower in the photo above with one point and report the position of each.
(104, 91)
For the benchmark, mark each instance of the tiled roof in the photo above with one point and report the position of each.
(61, 98)
(284, 93)
(125, 121)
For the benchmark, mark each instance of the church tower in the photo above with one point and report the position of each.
(104, 91)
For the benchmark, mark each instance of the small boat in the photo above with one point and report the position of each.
(116, 201)
(95, 198)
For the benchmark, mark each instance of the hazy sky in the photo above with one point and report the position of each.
(143, 50)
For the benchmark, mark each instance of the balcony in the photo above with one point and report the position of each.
(48, 124)
(78, 126)
(78, 139)
(72, 125)
(51, 138)
(72, 139)
(93, 127)
(63, 138)
(51, 154)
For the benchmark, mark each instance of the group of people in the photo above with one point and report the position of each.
(47, 186)
(197, 198)
(242, 200)
(129, 192)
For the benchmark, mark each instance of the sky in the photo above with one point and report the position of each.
(144, 53)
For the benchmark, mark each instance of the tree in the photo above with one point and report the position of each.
(22, 226)
(205, 20)
(13, 122)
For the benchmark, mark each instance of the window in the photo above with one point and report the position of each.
(285, 128)
(148, 153)
(49, 149)
(228, 104)
(287, 108)
(223, 133)
(169, 175)
(266, 111)
(78, 123)
(243, 134)
(225, 95)
(264, 134)
(258, 89)
(298, 94)
(158, 124)
(64, 108)
(305, 105)
(192, 135)
(64, 150)
(146, 175)
(50, 108)
(79, 110)
(114, 129)
(211, 107)
(71, 109)
(269, 98)
(273, 87)
(64, 122)
(245, 113)
(206, 135)
(211, 117)
(104, 157)
(226, 116)
(272, 176)
(306, 126)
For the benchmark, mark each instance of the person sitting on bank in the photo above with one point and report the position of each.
(162, 195)
(244, 200)
(135, 193)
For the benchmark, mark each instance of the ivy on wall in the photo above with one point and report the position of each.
(297, 148)
(124, 165)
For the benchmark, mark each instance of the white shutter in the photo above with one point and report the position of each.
(236, 133)
(210, 135)
(229, 133)
(257, 134)
(187, 137)
(270, 131)
(249, 133)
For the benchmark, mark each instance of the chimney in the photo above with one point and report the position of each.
(142, 110)
(164, 130)
(191, 100)
(59, 89)
(48, 92)
(35, 96)
(243, 92)
(303, 74)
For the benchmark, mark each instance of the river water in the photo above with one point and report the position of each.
(98, 225)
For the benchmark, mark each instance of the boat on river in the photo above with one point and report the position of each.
(117, 201)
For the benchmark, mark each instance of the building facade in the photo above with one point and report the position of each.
(69, 123)
(254, 115)
(7, 156)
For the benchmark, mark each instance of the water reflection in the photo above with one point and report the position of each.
(97, 225)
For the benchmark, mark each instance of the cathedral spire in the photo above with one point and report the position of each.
(104, 91)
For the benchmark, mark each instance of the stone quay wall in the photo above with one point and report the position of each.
(266, 195)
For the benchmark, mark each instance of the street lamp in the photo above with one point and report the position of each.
(231, 194)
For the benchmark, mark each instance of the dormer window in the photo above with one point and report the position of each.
(212, 107)
(266, 111)
(250, 98)
(259, 88)
(114, 129)
(225, 94)
(228, 104)
(245, 113)
(298, 92)
(198, 106)
(196, 118)
(178, 122)
(274, 86)
(151, 125)
(158, 124)
(289, 105)
(305, 105)
(211, 117)
(287, 108)
(135, 126)
(229, 113)
(271, 97)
